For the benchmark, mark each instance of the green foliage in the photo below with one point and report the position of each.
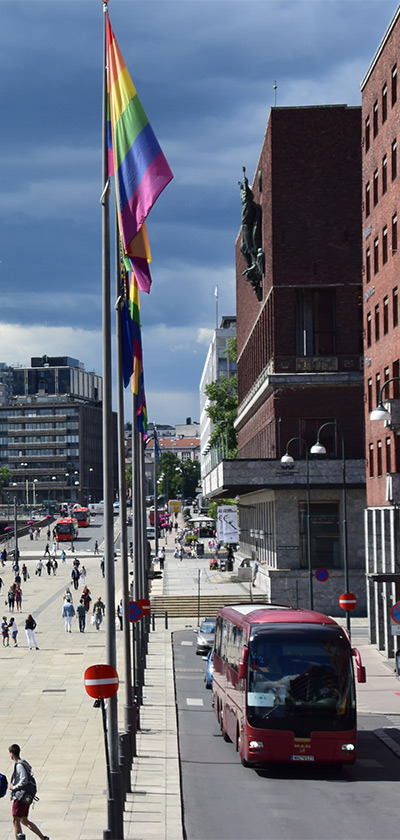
(216, 503)
(128, 477)
(178, 477)
(223, 409)
(5, 475)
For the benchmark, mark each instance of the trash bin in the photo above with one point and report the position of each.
(397, 655)
(200, 549)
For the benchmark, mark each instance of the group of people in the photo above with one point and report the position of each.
(82, 609)
(9, 628)
(34, 533)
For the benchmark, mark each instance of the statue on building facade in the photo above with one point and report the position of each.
(251, 240)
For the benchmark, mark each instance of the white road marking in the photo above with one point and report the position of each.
(194, 701)
(188, 644)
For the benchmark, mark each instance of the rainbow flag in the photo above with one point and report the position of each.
(138, 378)
(140, 168)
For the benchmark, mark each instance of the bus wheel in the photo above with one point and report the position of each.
(221, 723)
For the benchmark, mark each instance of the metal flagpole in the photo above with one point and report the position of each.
(216, 307)
(115, 814)
(136, 547)
(129, 713)
(155, 492)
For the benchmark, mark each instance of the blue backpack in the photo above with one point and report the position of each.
(3, 785)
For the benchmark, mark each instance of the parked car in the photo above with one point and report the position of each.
(150, 533)
(208, 676)
(205, 635)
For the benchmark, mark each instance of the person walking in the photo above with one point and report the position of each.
(86, 597)
(47, 550)
(24, 572)
(39, 568)
(68, 594)
(54, 566)
(18, 598)
(63, 556)
(81, 613)
(30, 626)
(102, 566)
(13, 629)
(96, 547)
(11, 597)
(98, 612)
(1, 583)
(48, 566)
(20, 802)
(4, 632)
(75, 575)
(68, 612)
(83, 575)
(161, 557)
(120, 612)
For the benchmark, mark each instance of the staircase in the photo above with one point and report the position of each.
(187, 606)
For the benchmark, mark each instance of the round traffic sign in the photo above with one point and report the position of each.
(135, 611)
(322, 574)
(101, 681)
(395, 613)
(144, 604)
(348, 601)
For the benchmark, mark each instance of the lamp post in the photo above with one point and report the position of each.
(34, 483)
(319, 449)
(288, 459)
(380, 412)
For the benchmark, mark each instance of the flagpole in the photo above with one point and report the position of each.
(155, 492)
(136, 548)
(115, 814)
(129, 712)
(216, 307)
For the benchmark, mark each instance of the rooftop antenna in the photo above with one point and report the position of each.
(275, 89)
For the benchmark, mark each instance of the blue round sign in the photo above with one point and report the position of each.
(135, 611)
(395, 613)
(322, 574)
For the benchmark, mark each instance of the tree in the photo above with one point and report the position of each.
(128, 477)
(5, 475)
(178, 477)
(222, 410)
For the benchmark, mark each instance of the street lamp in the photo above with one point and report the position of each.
(35, 481)
(380, 412)
(288, 459)
(319, 449)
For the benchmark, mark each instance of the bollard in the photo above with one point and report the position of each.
(153, 621)
(166, 620)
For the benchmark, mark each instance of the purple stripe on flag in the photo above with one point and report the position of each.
(138, 207)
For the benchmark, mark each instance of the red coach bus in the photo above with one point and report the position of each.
(82, 515)
(283, 685)
(66, 529)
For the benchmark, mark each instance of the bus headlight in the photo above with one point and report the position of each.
(348, 747)
(256, 745)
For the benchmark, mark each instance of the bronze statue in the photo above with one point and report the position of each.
(251, 240)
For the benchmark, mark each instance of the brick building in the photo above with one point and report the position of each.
(299, 339)
(380, 176)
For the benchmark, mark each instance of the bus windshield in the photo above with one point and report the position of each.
(64, 528)
(301, 676)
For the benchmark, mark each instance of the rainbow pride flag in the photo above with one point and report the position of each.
(140, 168)
(138, 378)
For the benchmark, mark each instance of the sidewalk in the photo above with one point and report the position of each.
(46, 710)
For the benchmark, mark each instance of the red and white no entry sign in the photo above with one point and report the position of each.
(348, 601)
(101, 681)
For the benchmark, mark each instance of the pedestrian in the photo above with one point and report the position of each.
(2, 560)
(4, 556)
(161, 557)
(86, 597)
(39, 568)
(4, 632)
(68, 612)
(48, 533)
(48, 566)
(30, 625)
(75, 575)
(54, 549)
(13, 629)
(25, 574)
(16, 567)
(68, 593)
(96, 547)
(63, 556)
(181, 552)
(255, 570)
(1, 583)
(47, 550)
(18, 598)
(30, 532)
(102, 566)
(98, 612)
(17, 579)
(83, 575)
(120, 612)
(81, 613)
(21, 802)
(11, 597)
(55, 566)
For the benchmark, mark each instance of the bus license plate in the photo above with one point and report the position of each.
(302, 758)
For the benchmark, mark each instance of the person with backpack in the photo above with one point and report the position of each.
(30, 625)
(23, 791)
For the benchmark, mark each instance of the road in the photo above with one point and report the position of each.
(224, 801)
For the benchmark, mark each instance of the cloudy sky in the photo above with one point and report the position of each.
(204, 70)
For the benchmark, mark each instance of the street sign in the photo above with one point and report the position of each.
(101, 681)
(395, 613)
(145, 606)
(322, 574)
(135, 611)
(348, 601)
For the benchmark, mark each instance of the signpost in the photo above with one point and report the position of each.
(102, 681)
(137, 609)
(322, 574)
(348, 601)
(395, 616)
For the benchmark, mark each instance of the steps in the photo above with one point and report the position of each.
(187, 605)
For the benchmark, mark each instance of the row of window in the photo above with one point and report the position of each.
(33, 426)
(378, 321)
(381, 253)
(383, 109)
(380, 458)
(392, 391)
(24, 453)
(384, 179)
(36, 412)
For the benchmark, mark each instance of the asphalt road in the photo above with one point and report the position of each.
(224, 801)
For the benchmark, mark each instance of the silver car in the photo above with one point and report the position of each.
(205, 635)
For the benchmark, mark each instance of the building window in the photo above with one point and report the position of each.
(384, 103)
(367, 134)
(377, 323)
(385, 245)
(377, 388)
(324, 533)
(394, 234)
(385, 315)
(368, 264)
(395, 304)
(379, 458)
(369, 330)
(376, 188)
(367, 199)
(375, 122)
(369, 398)
(394, 85)
(376, 255)
(388, 457)
(315, 322)
(394, 159)
(396, 383)
(384, 174)
(371, 460)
